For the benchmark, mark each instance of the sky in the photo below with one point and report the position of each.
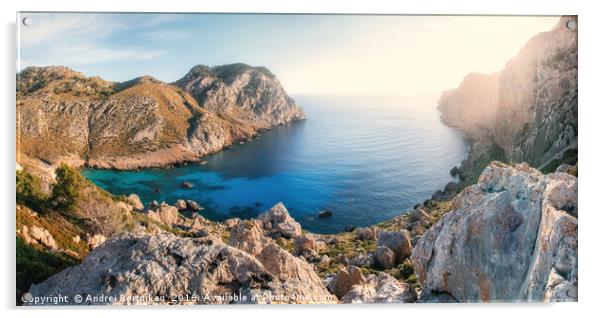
(310, 54)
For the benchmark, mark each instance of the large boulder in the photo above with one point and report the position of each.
(510, 237)
(398, 241)
(305, 245)
(384, 257)
(39, 235)
(345, 280)
(164, 214)
(381, 288)
(277, 222)
(148, 269)
(247, 236)
(367, 233)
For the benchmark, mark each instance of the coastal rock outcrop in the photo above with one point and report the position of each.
(529, 109)
(510, 237)
(132, 267)
(165, 214)
(145, 123)
(251, 93)
(277, 222)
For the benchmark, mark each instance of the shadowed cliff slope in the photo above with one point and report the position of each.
(529, 109)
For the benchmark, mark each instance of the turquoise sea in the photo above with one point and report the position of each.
(364, 159)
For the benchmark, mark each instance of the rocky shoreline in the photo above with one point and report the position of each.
(505, 233)
(491, 227)
(64, 116)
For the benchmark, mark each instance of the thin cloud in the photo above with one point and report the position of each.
(81, 39)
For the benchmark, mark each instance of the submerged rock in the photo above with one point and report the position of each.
(325, 214)
(187, 185)
(510, 237)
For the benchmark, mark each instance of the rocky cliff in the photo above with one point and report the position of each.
(66, 116)
(529, 109)
(510, 237)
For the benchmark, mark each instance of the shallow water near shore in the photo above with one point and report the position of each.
(365, 159)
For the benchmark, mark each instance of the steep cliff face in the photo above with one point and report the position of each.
(239, 90)
(537, 111)
(530, 107)
(472, 107)
(145, 122)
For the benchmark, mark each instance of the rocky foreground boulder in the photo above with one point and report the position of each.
(510, 237)
(164, 268)
(380, 288)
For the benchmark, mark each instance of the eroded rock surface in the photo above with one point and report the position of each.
(277, 222)
(164, 264)
(381, 288)
(510, 237)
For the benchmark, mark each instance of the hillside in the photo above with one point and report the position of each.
(66, 116)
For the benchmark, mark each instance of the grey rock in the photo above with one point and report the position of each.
(131, 266)
(398, 241)
(193, 206)
(362, 260)
(381, 288)
(529, 109)
(367, 233)
(510, 237)
(384, 257)
(277, 222)
(345, 280)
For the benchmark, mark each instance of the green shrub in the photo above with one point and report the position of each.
(35, 266)
(28, 191)
(66, 189)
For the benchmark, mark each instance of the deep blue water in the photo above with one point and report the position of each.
(366, 160)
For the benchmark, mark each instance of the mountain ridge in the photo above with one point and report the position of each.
(144, 122)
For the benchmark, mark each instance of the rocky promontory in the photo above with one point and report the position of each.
(65, 116)
(525, 113)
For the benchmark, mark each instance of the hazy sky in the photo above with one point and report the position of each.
(327, 54)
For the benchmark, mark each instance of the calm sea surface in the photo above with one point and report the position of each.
(365, 159)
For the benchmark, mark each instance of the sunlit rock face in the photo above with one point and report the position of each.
(529, 108)
(144, 122)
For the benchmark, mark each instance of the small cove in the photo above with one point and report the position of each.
(364, 159)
